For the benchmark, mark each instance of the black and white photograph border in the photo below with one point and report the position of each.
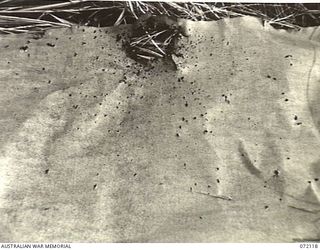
(159, 122)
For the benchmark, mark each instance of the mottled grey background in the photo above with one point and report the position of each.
(96, 148)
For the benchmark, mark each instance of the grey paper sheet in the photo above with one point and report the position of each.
(225, 148)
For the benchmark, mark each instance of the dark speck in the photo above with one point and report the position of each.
(51, 44)
(24, 48)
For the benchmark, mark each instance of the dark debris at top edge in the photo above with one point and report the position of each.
(103, 14)
(32, 16)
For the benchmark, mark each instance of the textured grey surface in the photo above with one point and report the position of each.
(96, 149)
